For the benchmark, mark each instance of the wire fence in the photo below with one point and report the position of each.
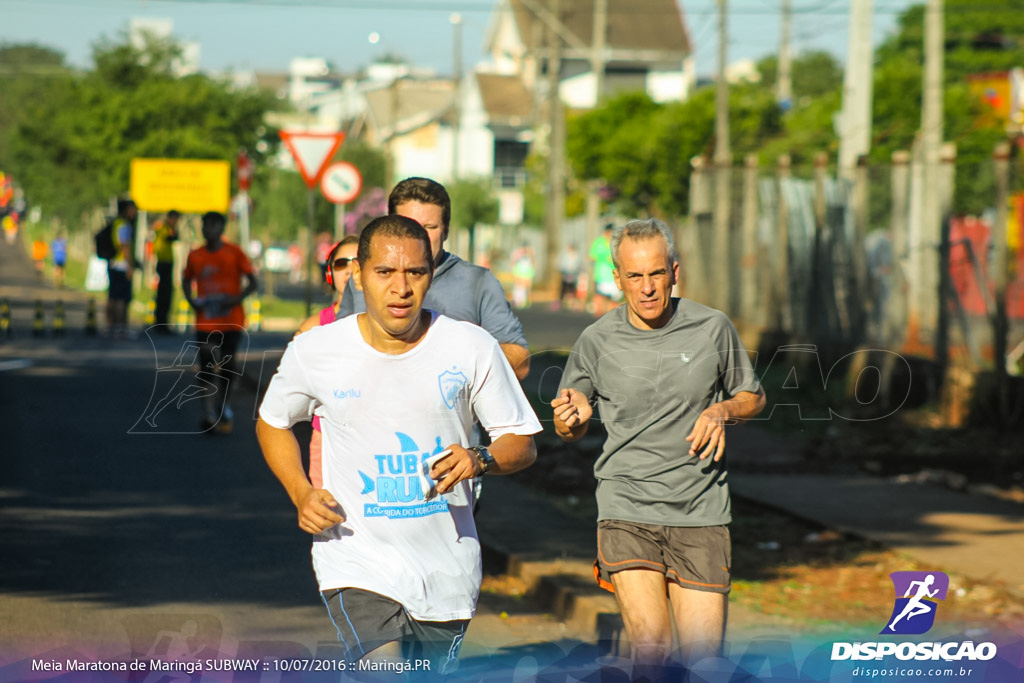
(857, 261)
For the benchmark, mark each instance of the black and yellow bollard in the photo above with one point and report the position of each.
(255, 315)
(90, 319)
(5, 319)
(39, 322)
(58, 319)
(181, 319)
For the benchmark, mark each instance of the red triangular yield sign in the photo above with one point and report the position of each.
(312, 152)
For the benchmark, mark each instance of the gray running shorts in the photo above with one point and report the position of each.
(699, 558)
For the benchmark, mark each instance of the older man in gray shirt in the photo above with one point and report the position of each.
(460, 290)
(667, 375)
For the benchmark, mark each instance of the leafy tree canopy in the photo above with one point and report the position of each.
(28, 57)
(643, 149)
(980, 36)
(71, 145)
(473, 203)
(814, 73)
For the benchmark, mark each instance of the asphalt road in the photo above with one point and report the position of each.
(124, 539)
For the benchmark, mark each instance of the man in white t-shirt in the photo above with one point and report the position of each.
(395, 547)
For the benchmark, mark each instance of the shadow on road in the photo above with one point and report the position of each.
(94, 512)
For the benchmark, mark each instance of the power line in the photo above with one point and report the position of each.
(825, 7)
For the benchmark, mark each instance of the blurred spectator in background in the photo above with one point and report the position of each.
(166, 234)
(39, 253)
(120, 268)
(295, 260)
(569, 265)
(606, 294)
(10, 223)
(59, 254)
(523, 270)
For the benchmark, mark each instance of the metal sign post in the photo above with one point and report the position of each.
(312, 152)
(341, 183)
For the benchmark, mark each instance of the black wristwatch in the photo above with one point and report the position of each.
(484, 457)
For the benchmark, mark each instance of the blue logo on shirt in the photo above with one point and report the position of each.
(451, 385)
(398, 481)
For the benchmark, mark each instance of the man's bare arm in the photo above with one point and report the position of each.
(186, 290)
(317, 508)
(251, 285)
(519, 358)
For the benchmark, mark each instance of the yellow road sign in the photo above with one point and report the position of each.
(187, 185)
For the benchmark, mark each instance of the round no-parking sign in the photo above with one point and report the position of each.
(341, 182)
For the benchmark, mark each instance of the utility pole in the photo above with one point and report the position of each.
(456, 20)
(1001, 278)
(855, 119)
(723, 168)
(555, 195)
(784, 82)
(598, 41)
(597, 48)
(930, 235)
(389, 147)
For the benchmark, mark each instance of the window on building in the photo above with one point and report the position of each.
(510, 162)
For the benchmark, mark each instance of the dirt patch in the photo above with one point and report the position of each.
(503, 585)
(824, 580)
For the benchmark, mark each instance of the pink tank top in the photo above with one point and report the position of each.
(327, 316)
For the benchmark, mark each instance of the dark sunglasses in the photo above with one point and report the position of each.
(342, 262)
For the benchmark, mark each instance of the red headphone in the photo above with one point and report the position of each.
(329, 275)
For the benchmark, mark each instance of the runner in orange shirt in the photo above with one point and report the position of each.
(212, 284)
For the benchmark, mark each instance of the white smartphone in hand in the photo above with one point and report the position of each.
(429, 485)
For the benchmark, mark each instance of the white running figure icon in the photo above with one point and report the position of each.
(915, 607)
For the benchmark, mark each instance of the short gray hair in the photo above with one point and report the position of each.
(639, 230)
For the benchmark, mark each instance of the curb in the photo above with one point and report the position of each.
(566, 589)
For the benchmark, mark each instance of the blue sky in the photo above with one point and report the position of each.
(266, 34)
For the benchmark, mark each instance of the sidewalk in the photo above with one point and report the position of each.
(21, 287)
(972, 534)
(553, 552)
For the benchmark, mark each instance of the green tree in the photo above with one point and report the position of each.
(72, 148)
(279, 199)
(473, 204)
(643, 150)
(979, 39)
(814, 73)
(28, 73)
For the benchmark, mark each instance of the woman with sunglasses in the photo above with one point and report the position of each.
(339, 271)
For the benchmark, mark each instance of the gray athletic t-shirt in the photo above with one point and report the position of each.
(650, 386)
(462, 291)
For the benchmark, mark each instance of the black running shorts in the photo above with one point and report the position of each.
(365, 620)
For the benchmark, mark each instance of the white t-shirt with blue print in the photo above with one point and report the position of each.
(382, 416)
